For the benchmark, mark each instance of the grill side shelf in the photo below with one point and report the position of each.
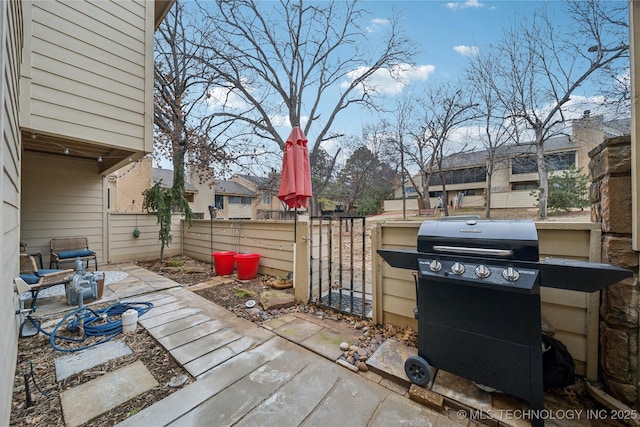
(581, 276)
(401, 258)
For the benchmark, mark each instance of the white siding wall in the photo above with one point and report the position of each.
(123, 246)
(513, 199)
(10, 45)
(88, 73)
(61, 197)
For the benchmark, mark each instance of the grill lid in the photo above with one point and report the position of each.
(516, 239)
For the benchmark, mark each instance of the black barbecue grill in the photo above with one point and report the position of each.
(478, 301)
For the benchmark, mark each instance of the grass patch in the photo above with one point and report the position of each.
(174, 263)
(243, 293)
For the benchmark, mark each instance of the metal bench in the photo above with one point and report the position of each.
(70, 248)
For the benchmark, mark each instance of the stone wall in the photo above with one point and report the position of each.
(610, 192)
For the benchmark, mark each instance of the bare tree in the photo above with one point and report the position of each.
(181, 87)
(544, 64)
(391, 141)
(285, 64)
(445, 108)
(496, 127)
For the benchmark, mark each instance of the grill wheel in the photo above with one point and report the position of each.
(417, 370)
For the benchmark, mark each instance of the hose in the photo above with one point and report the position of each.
(106, 323)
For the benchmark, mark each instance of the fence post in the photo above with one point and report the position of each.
(301, 255)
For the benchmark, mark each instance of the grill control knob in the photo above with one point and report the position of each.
(511, 274)
(435, 266)
(482, 271)
(457, 268)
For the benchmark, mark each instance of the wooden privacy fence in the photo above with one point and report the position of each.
(123, 246)
(273, 240)
(573, 314)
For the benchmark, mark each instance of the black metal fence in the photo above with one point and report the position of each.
(338, 265)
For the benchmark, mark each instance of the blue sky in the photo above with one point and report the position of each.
(447, 32)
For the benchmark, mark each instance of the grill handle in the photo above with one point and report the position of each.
(505, 253)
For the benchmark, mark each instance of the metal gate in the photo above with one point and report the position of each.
(340, 276)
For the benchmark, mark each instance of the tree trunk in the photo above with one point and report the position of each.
(544, 184)
(487, 200)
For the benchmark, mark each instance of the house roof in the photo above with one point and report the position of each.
(611, 129)
(617, 127)
(233, 188)
(479, 157)
(258, 181)
(165, 178)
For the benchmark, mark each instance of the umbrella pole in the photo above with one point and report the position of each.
(295, 240)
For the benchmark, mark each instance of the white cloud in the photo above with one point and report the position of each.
(391, 80)
(281, 120)
(376, 23)
(466, 50)
(465, 5)
(224, 97)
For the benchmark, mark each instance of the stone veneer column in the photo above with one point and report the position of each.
(610, 193)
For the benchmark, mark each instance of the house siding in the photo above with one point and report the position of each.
(61, 197)
(11, 39)
(89, 72)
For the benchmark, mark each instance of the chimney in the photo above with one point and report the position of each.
(586, 114)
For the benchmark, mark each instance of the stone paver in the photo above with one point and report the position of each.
(204, 345)
(179, 403)
(235, 401)
(88, 400)
(160, 310)
(394, 411)
(295, 400)
(297, 330)
(86, 359)
(179, 325)
(333, 412)
(326, 343)
(388, 360)
(152, 322)
(189, 330)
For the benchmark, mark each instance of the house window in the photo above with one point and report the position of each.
(532, 185)
(219, 201)
(460, 176)
(190, 197)
(266, 198)
(239, 200)
(524, 164)
(408, 190)
(554, 162)
(560, 161)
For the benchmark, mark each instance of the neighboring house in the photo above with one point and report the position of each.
(266, 204)
(76, 84)
(241, 197)
(126, 186)
(515, 174)
(233, 201)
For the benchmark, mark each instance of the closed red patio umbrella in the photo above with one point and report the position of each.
(295, 186)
